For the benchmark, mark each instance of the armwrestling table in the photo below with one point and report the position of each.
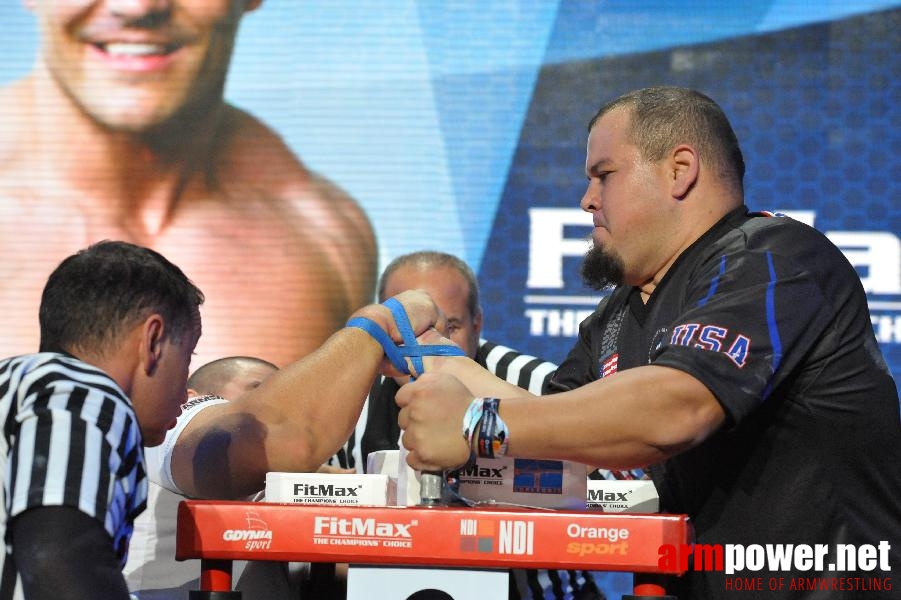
(218, 532)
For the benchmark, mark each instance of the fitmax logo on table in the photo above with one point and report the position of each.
(362, 527)
(362, 532)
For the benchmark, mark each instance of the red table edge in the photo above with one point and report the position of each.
(216, 565)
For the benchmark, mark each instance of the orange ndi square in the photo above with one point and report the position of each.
(485, 528)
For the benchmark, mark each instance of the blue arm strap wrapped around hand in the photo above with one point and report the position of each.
(411, 349)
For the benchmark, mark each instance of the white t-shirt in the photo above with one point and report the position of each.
(152, 572)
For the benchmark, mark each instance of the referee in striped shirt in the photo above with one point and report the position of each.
(118, 326)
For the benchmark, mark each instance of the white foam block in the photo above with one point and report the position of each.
(327, 488)
(385, 462)
(618, 495)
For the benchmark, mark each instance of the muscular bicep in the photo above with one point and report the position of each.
(225, 451)
(220, 454)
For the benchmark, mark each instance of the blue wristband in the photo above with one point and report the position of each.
(493, 432)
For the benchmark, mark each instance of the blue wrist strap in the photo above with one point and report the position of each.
(411, 348)
(391, 350)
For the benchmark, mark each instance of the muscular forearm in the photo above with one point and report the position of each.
(479, 380)
(635, 418)
(296, 418)
(318, 402)
(292, 422)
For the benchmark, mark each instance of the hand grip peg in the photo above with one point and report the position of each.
(431, 487)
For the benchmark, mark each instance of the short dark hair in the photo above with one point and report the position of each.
(425, 259)
(210, 377)
(100, 292)
(663, 117)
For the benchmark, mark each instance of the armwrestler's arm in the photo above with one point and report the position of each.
(479, 380)
(62, 553)
(639, 417)
(296, 419)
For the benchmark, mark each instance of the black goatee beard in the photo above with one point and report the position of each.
(601, 270)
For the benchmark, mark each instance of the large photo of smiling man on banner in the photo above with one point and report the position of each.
(120, 130)
(281, 153)
(456, 129)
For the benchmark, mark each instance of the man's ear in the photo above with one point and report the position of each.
(153, 331)
(685, 167)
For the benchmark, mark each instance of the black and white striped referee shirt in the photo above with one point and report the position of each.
(70, 438)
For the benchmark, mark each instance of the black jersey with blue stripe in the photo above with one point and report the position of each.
(773, 319)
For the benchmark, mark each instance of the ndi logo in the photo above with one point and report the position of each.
(512, 537)
(516, 537)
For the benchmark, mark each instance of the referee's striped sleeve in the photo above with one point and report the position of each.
(73, 440)
(528, 372)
